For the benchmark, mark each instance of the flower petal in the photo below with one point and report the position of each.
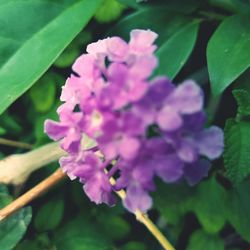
(210, 142)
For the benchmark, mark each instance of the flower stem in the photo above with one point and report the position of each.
(56, 177)
(16, 144)
(144, 219)
(33, 193)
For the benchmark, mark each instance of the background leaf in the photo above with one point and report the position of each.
(49, 215)
(80, 234)
(243, 100)
(210, 205)
(201, 241)
(109, 11)
(174, 53)
(43, 93)
(228, 52)
(13, 228)
(30, 42)
(160, 20)
(239, 209)
(237, 148)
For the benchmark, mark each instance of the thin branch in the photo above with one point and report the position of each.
(56, 177)
(16, 144)
(144, 219)
(32, 194)
(16, 168)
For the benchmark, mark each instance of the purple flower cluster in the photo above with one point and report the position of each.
(142, 128)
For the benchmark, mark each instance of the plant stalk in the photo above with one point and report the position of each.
(40, 157)
(32, 194)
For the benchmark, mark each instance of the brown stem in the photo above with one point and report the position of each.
(33, 193)
(16, 144)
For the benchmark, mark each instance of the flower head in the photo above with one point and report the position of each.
(148, 127)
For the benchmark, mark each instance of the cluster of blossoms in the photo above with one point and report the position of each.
(142, 128)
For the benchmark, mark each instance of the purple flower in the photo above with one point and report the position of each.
(148, 127)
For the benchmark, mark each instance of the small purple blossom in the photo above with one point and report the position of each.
(147, 127)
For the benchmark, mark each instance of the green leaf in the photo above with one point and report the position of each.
(109, 11)
(10, 123)
(13, 228)
(239, 209)
(131, 3)
(2, 131)
(174, 52)
(228, 52)
(173, 201)
(32, 35)
(40, 242)
(43, 93)
(49, 215)
(186, 7)
(40, 136)
(80, 234)
(120, 227)
(5, 197)
(243, 100)
(237, 148)
(210, 205)
(160, 20)
(70, 54)
(134, 245)
(200, 240)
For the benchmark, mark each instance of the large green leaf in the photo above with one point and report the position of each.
(13, 228)
(239, 209)
(210, 205)
(174, 52)
(32, 35)
(237, 148)
(228, 52)
(200, 240)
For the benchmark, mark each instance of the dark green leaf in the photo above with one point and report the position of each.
(239, 209)
(120, 227)
(200, 240)
(237, 148)
(13, 228)
(39, 124)
(80, 234)
(49, 215)
(134, 245)
(228, 52)
(243, 100)
(10, 123)
(174, 52)
(173, 201)
(5, 197)
(32, 35)
(210, 205)
(131, 3)
(160, 20)
(70, 54)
